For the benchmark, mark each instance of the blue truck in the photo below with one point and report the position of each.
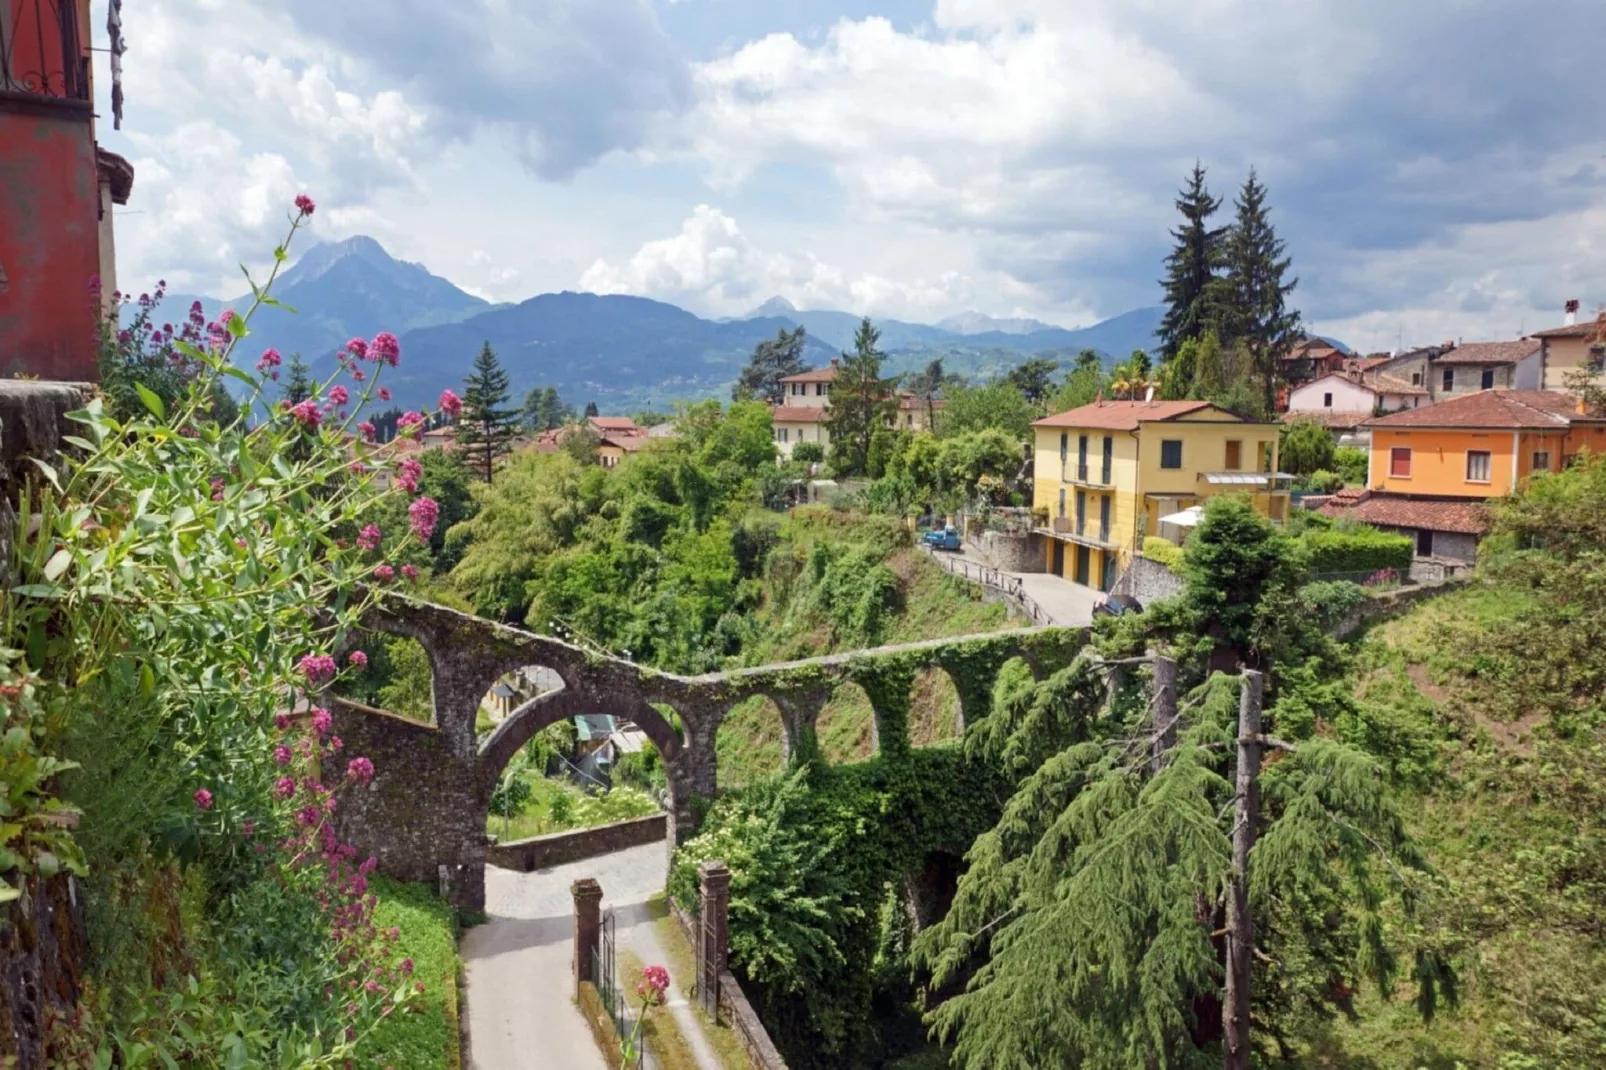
(946, 539)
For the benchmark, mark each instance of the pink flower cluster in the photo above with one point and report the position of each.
(408, 473)
(304, 204)
(357, 659)
(269, 363)
(369, 538)
(203, 799)
(317, 668)
(451, 404)
(654, 985)
(307, 414)
(410, 424)
(422, 515)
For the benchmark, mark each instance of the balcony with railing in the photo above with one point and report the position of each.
(43, 53)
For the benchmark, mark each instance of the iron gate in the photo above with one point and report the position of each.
(605, 968)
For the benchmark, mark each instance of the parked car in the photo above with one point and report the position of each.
(946, 539)
(1117, 605)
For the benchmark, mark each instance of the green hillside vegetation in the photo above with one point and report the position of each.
(1431, 856)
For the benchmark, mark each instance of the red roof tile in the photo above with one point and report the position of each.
(826, 374)
(1331, 420)
(1490, 352)
(1586, 329)
(1122, 415)
(799, 414)
(612, 423)
(1384, 383)
(1500, 409)
(1466, 518)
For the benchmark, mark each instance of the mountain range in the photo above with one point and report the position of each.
(625, 353)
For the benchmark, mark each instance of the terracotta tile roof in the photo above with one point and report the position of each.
(909, 401)
(1340, 421)
(1384, 383)
(1122, 415)
(1584, 329)
(826, 374)
(799, 414)
(1490, 352)
(628, 443)
(1466, 518)
(1499, 409)
(1366, 364)
(612, 423)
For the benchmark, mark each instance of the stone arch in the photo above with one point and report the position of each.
(936, 712)
(520, 726)
(846, 727)
(930, 889)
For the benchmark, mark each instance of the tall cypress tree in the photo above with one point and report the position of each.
(486, 429)
(862, 403)
(1256, 313)
(1191, 267)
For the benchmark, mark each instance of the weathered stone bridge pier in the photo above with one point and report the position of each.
(423, 816)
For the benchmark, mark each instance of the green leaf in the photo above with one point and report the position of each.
(8, 893)
(147, 679)
(38, 590)
(276, 303)
(237, 326)
(151, 401)
(50, 473)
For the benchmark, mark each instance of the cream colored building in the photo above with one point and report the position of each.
(806, 403)
(1568, 348)
(1108, 472)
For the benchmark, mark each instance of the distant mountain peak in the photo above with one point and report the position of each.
(980, 323)
(775, 306)
(326, 256)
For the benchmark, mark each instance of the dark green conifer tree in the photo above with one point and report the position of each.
(862, 402)
(486, 428)
(1255, 310)
(1191, 267)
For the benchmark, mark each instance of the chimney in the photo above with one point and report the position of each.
(1571, 319)
(835, 362)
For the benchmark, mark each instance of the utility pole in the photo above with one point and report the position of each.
(1240, 926)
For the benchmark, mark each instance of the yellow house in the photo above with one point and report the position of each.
(1108, 472)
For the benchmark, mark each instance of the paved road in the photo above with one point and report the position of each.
(520, 995)
(1070, 605)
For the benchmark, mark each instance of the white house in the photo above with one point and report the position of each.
(1343, 402)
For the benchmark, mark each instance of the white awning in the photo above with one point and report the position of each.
(1188, 518)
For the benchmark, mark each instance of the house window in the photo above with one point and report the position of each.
(1541, 460)
(1327, 401)
(1400, 462)
(1109, 458)
(786, 434)
(1062, 502)
(1104, 518)
(909, 419)
(1266, 454)
(1171, 453)
(1477, 466)
(1235, 454)
(1081, 458)
(1424, 542)
(1416, 378)
(1065, 447)
(1449, 379)
(1487, 382)
(1081, 511)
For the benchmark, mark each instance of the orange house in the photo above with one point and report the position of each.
(1480, 445)
(57, 188)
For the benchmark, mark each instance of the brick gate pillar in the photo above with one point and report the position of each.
(587, 895)
(714, 934)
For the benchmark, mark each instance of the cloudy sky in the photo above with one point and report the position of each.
(1438, 167)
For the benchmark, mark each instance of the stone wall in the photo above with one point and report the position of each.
(1147, 581)
(1391, 604)
(539, 852)
(1011, 553)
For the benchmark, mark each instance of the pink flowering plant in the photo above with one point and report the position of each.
(189, 576)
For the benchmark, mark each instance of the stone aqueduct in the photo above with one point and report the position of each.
(423, 816)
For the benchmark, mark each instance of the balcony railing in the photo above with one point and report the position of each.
(42, 50)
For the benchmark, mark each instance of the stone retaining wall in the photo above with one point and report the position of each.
(1010, 553)
(540, 852)
(1148, 581)
(1390, 604)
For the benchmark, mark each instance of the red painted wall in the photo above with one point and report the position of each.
(49, 243)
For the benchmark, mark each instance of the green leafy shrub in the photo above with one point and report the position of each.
(1364, 550)
(1352, 464)
(808, 453)
(1163, 552)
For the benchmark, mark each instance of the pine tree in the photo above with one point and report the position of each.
(862, 402)
(772, 360)
(1191, 267)
(1256, 313)
(591, 409)
(545, 410)
(486, 429)
(298, 384)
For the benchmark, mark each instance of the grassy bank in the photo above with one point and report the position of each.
(426, 1037)
(559, 806)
